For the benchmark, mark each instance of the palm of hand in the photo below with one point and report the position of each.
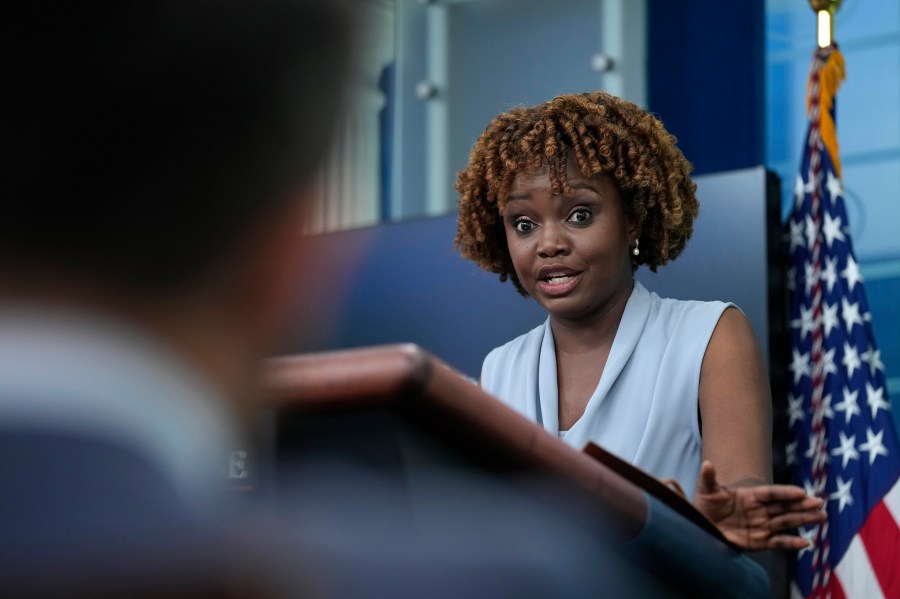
(740, 515)
(756, 517)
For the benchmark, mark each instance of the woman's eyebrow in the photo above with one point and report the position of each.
(583, 185)
(519, 195)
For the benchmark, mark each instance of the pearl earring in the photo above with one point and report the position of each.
(636, 251)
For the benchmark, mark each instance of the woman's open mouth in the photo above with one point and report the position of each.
(557, 281)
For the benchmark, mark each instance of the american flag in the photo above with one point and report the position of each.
(844, 447)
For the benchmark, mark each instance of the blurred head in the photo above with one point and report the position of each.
(158, 154)
(141, 140)
(604, 136)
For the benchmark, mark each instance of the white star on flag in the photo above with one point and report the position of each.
(799, 190)
(831, 229)
(810, 488)
(809, 535)
(810, 451)
(811, 233)
(790, 453)
(872, 357)
(809, 276)
(829, 273)
(850, 314)
(828, 358)
(834, 186)
(800, 365)
(795, 409)
(830, 318)
(851, 273)
(875, 399)
(848, 406)
(847, 450)
(827, 412)
(843, 493)
(851, 359)
(874, 445)
(796, 235)
(805, 322)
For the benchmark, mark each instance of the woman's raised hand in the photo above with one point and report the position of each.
(756, 517)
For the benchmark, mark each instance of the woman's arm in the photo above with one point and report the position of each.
(735, 404)
(734, 487)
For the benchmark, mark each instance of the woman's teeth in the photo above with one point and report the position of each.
(558, 279)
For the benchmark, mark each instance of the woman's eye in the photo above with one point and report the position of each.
(582, 215)
(524, 226)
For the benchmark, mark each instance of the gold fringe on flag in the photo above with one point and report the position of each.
(830, 77)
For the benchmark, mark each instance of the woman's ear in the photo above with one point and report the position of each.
(634, 230)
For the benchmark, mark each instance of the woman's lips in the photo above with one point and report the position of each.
(558, 283)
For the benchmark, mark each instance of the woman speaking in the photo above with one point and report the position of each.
(567, 199)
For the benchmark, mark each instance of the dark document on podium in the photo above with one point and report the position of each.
(653, 487)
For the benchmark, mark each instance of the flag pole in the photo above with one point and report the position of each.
(825, 10)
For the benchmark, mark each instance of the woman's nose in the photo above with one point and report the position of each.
(553, 241)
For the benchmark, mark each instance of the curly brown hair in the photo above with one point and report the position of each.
(606, 135)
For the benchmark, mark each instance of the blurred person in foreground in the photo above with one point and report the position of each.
(157, 161)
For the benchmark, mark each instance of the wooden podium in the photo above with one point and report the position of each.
(359, 404)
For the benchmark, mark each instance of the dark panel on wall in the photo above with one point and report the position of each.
(706, 79)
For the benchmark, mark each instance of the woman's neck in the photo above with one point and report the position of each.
(591, 333)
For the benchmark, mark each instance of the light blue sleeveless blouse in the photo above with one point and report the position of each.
(645, 407)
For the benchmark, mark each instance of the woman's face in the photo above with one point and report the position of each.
(571, 254)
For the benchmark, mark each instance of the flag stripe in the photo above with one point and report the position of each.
(854, 573)
(835, 590)
(881, 537)
(892, 501)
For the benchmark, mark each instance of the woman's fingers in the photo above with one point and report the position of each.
(789, 542)
(768, 493)
(782, 507)
(758, 540)
(707, 481)
(793, 520)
